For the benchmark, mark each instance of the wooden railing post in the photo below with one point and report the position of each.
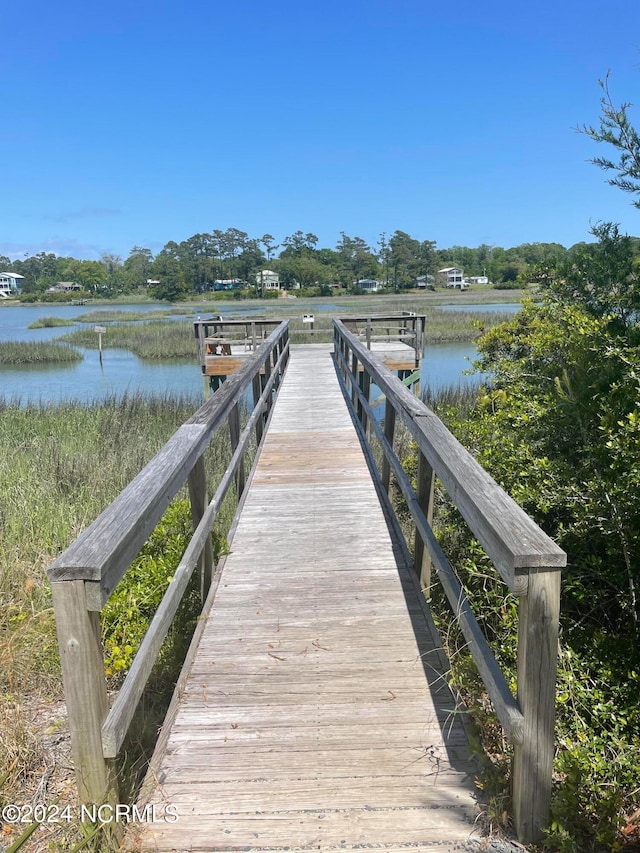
(425, 493)
(389, 430)
(354, 378)
(234, 432)
(199, 498)
(85, 690)
(539, 615)
(257, 391)
(365, 387)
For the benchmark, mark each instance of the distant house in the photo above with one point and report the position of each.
(228, 284)
(424, 282)
(64, 287)
(268, 280)
(477, 279)
(10, 284)
(452, 277)
(369, 285)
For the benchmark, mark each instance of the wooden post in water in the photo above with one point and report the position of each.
(539, 615)
(100, 331)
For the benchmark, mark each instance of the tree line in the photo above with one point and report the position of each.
(203, 261)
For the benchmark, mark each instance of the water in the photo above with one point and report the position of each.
(495, 308)
(122, 372)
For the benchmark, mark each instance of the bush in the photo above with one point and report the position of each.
(559, 429)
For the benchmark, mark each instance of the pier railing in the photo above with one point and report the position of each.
(404, 326)
(527, 560)
(85, 575)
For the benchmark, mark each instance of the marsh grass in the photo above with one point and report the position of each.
(153, 340)
(49, 323)
(115, 316)
(49, 352)
(459, 326)
(61, 466)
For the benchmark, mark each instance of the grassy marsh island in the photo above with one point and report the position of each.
(47, 352)
(50, 323)
(114, 316)
(154, 340)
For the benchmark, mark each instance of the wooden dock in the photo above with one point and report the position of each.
(314, 715)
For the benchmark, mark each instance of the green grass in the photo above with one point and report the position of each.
(49, 323)
(50, 352)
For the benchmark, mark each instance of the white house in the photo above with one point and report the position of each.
(477, 279)
(10, 283)
(453, 276)
(369, 285)
(64, 287)
(268, 280)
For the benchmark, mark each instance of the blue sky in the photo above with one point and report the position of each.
(138, 122)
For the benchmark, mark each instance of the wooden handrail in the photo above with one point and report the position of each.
(514, 541)
(85, 574)
(526, 558)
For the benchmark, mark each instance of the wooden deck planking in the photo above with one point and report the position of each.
(314, 715)
(395, 354)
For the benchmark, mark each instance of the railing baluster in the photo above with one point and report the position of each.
(389, 433)
(234, 433)
(199, 499)
(425, 491)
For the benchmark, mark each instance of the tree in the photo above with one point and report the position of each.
(113, 278)
(269, 244)
(600, 277)
(166, 269)
(616, 130)
(356, 260)
(299, 243)
(137, 267)
(404, 259)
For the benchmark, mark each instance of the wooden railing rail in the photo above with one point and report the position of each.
(405, 326)
(84, 576)
(526, 558)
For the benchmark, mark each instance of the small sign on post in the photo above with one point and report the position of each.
(100, 330)
(308, 318)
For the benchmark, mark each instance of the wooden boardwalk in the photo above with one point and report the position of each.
(314, 715)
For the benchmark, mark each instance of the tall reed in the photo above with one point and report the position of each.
(49, 352)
